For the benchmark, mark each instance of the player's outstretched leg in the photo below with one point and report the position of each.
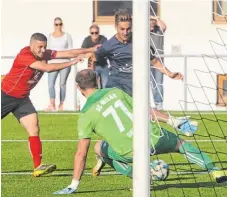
(107, 155)
(30, 123)
(169, 142)
(122, 167)
(194, 155)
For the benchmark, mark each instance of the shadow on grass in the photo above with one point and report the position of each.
(103, 190)
(184, 163)
(18, 171)
(186, 185)
(179, 179)
(106, 169)
(66, 174)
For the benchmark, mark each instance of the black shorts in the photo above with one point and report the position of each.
(20, 107)
(122, 82)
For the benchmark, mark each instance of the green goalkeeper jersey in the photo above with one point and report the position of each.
(108, 113)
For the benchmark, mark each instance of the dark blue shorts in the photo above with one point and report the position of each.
(123, 82)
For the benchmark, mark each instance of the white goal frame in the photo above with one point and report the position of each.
(141, 111)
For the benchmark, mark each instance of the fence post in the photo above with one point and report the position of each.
(185, 83)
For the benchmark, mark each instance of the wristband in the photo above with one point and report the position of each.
(74, 184)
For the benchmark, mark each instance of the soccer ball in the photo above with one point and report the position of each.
(159, 170)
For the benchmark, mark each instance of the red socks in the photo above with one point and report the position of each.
(35, 147)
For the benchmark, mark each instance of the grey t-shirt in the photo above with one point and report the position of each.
(87, 43)
(61, 43)
(119, 55)
(158, 39)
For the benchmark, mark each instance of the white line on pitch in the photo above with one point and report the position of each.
(97, 140)
(102, 173)
(206, 140)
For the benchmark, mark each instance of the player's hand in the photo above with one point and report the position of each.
(79, 58)
(188, 128)
(176, 76)
(96, 47)
(66, 190)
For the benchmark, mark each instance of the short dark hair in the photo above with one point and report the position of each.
(39, 37)
(86, 79)
(122, 15)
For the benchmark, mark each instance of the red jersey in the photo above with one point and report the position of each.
(21, 78)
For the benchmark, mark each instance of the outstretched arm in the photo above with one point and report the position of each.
(158, 65)
(75, 52)
(45, 67)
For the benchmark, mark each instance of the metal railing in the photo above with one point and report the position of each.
(185, 64)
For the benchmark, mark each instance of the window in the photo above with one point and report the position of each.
(220, 12)
(222, 90)
(103, 11)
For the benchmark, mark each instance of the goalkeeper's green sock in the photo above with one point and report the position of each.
(194, 155)
(123, 168)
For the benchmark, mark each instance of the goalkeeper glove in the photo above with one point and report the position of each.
(183, 124)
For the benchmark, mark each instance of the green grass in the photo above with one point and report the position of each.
(16, 159)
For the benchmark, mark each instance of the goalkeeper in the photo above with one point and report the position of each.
(108, 113)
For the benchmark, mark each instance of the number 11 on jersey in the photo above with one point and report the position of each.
(112, 111)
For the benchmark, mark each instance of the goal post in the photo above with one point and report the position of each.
(141, 114)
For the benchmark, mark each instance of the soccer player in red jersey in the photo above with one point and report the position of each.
(28, 68)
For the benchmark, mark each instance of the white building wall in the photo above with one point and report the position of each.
(189, 24)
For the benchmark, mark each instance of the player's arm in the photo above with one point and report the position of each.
(161, 24)
(79, 166)
(75, 52)
(80, 158)
(102, 52)
(45, 67)
(158, 65)
(155, 114)
(85, 129)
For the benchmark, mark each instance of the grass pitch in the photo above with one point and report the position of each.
(185, 179)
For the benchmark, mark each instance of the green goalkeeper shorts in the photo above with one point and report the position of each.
(167, 143)
(108, 152)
